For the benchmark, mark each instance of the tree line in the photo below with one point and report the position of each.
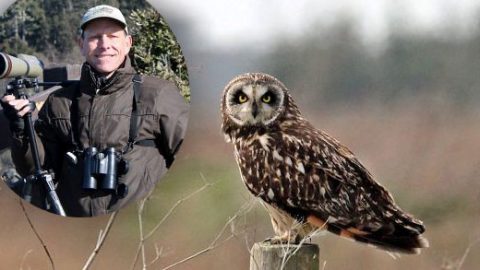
(49, 29)
(336, 67)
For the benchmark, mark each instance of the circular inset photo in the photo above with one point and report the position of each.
(96, 101)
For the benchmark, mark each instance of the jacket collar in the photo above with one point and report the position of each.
(93, 82)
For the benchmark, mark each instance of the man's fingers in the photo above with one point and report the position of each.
(29, 107)
(21, 106)
(7, 98)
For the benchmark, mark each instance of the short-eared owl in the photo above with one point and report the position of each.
(307, 179)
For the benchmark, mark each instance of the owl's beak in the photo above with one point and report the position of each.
(254, 109)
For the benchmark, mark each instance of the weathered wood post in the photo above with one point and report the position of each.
(265, 256)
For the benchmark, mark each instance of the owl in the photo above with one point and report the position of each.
(305, 178)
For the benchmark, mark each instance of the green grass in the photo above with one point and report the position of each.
(209, 193)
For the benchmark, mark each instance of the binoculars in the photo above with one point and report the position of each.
(101, 169)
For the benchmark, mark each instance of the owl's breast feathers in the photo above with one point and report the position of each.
(311, 176)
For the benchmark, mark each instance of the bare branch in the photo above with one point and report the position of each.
(173, 208)
(143, 238)
(215, 243)
(101, 239)
(197, 254)
(140, 226)
(158, 254)
(37, 235)
(290, 251)
(467, 251)
(24, 258)
(137, 254)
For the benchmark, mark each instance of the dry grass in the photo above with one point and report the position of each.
(425, 153)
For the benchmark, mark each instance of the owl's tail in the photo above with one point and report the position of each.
(402, 240)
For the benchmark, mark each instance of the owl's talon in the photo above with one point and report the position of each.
(275, 241)
(283, 241)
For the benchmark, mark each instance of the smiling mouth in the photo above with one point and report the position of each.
(105, 55)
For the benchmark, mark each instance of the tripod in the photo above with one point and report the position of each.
(17, 88)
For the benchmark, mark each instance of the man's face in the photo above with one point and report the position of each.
(105, 45)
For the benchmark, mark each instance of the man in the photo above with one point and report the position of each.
(142, 118)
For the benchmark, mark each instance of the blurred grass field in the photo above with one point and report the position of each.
(420, 139)
(425, 154)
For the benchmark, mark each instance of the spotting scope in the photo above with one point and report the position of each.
(23, 65)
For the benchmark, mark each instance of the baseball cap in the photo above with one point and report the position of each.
(103, 11)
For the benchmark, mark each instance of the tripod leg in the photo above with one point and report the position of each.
(27, 190)
(39, 174)
(33, 142)
(52, 195)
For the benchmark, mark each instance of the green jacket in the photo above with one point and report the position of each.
(102, 119)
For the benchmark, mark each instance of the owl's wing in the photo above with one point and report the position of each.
(315, 178)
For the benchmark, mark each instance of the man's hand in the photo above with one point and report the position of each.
(20, 106)
(14, 109)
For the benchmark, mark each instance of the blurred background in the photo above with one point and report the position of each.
(397, 82)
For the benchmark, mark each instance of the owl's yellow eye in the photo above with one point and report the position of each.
(267, 98)
(242, 98)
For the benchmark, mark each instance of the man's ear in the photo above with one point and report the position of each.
(129, 41)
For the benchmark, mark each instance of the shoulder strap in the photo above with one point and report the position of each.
(133, 132)
(134, 125)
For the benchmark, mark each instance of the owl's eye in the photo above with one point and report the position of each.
(267, 98)
(242, 98)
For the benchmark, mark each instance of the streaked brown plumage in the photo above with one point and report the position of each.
(306, 178)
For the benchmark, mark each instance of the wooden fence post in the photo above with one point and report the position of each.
(265, 256)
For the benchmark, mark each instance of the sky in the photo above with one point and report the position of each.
(257, 23)
(226, 25)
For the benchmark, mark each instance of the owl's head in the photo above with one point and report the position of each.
(253, 99)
